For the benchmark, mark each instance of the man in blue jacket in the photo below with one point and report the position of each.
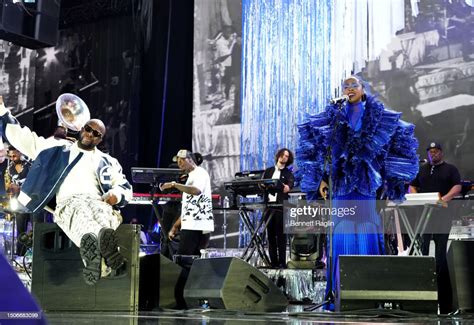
(89, 186)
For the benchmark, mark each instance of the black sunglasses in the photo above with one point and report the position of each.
(95, 133)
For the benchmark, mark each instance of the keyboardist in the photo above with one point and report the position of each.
(196, 221)
(169, 214)
(276, 238)
(438, 176)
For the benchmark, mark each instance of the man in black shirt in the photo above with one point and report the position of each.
(276, 237)
(439, 176)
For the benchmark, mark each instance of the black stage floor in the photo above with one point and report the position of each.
(231, 317)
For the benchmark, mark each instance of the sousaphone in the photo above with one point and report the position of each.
(72, 112)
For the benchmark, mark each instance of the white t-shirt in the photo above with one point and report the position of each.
(82, 179)
(196, 211)
(276, 175)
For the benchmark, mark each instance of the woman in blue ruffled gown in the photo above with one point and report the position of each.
(372, 151)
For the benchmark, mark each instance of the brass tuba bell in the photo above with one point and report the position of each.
(72, 111)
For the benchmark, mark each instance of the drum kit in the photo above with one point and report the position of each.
(73, 114)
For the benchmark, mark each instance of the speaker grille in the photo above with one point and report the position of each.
(387, 282)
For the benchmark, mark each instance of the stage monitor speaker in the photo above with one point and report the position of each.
(461, 270)
(33, 25)
(161, 283)
(387, 282)
(231, 283)
(57, 280)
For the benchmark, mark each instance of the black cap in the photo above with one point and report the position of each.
(434, 145)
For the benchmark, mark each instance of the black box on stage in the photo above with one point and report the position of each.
(33, 25)
(388, 282)
(152, 281)
(161, 283)
(57, 280)
(231, 283)
(461, 272)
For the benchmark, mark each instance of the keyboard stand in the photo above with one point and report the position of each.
(415, 235)
(256, 241)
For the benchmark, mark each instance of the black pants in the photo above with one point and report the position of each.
(192, 241)
(276, 238)
(168, 247)
(170, 213)
(445, 297)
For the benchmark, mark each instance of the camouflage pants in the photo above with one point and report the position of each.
(78, 216)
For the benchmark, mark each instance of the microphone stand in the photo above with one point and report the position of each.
(13, 247)
(154, 188)
(330, 296)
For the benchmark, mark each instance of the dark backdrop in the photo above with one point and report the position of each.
(136, 68)
(132, 65)
(165, 114)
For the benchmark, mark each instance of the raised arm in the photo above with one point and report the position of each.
(22, 138)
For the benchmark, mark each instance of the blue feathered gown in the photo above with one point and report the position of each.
(375, 150)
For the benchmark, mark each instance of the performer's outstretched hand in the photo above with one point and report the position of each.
(110, 198)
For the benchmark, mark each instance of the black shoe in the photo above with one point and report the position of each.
(109, 249)
(119, 273)
(90, 255)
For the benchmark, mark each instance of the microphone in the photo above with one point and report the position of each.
(339, 100)
(423, 161)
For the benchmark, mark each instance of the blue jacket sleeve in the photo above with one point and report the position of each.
(401, 164)
(310, 151)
